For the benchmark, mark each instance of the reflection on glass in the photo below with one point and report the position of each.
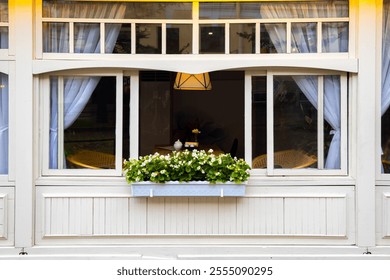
(56, 37)
(304, 9)
(229, 10)
(123, 43)
(138, 10)
(212, 38)
(273, 38)
(3, 10)
(126, 118)
(259, 122)
(148, 38)
(304, 37)
(295, 122)
(242, 38)
(87, 38)
(89, 141)
(4, 37)
(179, 39)
(335, 37)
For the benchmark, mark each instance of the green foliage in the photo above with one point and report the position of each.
(185, 166)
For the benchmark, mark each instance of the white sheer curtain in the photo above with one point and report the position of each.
(77, 90)
(3, 124)
(301, 42)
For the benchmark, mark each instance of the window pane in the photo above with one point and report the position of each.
(212, 38)
(126, 118)
(87, 38)
(148, 38)
(167, 115)
(123, 43)
(385, 121)
(4, 122)
(273, 38)
(3, 10)
(136, 10)
(335, 37)
(85, 121)
(295, 121)
(56, 37)
(304, 37)
(242, 38)
(305, 9)
(332, 122)
(4, 37)
(259, 122)
(179, 39)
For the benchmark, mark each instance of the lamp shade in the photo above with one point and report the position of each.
(185, 81)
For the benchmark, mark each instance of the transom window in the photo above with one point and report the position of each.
(195, 28)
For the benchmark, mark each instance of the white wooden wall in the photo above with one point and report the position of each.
(317, 215)
(6, 216)
(383, 215)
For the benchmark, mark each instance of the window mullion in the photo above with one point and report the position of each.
(257, 38)
(133, 37)
(60, 125)
(227, 38)
(319, 37)
(163, 38)
(195, 28)
(270, 124)
(288, 37)
(102, 37)
(119, 123)
(320, 123)
(134, 115)
(248, 117)
(71, 37)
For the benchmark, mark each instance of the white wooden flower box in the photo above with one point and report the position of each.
(194, 188)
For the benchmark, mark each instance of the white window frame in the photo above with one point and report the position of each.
(195, 22)
(270, 170)
(45, 123)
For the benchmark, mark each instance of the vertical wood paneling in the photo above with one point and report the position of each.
(3, 218)
(155, 216)
(227, 215)
(137, 215)
(336, 217)
(269, 216)
(386, 216)
(176, 215)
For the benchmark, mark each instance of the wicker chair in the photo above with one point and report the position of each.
(92, 160)
(286, 159)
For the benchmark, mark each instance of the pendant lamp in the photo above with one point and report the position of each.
(185, 81)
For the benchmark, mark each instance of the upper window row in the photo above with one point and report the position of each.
(4, 24)
(184, 28)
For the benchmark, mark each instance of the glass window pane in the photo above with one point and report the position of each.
(179, 39)
(259, 122)
(56, 37)
(3, 10)
(304, 9)
(332, 122)
(89, 120)
(304, 37)
(242, 38)
(295, 121)
(335, 37)
(159, 10)
(212, 38)
(135, 10)
(4, 123)
(148, 38)
(123, 42)
(4, 37)
(126, 118)
(87, 38)
(273, 38)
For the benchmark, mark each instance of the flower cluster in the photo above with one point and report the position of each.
(186, 166)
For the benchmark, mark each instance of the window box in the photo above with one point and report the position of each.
(193, 188)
